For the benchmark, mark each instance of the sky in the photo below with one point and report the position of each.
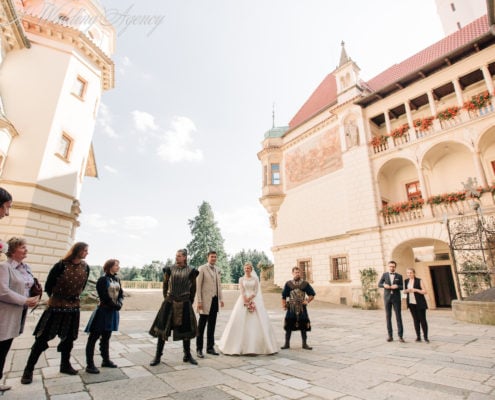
(196, 82)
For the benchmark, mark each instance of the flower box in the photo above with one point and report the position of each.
(400, 131)
(379, 140)
(423, 124)
(397, 208)
(448, 113)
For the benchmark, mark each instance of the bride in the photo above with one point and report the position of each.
(249, 330)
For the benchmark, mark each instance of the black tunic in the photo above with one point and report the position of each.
(176, 312)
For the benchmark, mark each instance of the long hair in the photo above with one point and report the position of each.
(74, 251)
(4, 196)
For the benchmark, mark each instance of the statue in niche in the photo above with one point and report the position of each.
(352, 133)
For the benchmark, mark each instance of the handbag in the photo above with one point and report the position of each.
(36, 289)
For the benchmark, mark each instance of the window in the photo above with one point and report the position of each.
(265, 175)
(64, 147)
(306, 270)
(493, 166)
(339, 269)
(275, 174)
(413, 190)
(452, 6)
(79, 87)
(458, 25)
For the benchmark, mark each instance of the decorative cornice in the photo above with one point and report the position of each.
(10, 28)
(306, 134)
(45, 210)
(40, 187)
(346, 235)
(76, 39)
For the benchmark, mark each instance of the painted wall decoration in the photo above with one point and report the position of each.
(314, 158)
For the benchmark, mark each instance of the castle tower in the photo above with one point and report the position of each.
(51, 88)
(456, 14)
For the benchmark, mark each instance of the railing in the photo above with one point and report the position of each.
(415, 134)
(460, 207)
(158, 285)
(403, 216)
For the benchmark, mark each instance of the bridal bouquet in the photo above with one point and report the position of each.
(251, 306)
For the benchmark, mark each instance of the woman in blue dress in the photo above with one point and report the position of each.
(105, 318)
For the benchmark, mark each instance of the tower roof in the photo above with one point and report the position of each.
(344, 58)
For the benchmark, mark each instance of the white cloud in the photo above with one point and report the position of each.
(144, 121)
(130, 225)
(178, 144)
(126, 61)
(245, 228)
(105, 121)
(98, 223)
(139, 223)
(110, 169)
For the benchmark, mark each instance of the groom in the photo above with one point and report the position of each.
(208, 297)
(392, 284)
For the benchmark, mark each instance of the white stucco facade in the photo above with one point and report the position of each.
(50, 90)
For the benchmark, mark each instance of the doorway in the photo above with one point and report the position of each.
(443, 285)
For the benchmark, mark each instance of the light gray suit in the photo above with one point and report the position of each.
(209, 294)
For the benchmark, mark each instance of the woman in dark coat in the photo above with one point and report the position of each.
(176, 312)
(105, 318)
(416, 302)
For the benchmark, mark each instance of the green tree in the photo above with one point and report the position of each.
(153, 272)
(237, 261)
(206, 236)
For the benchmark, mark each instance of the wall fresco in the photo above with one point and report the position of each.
(314, 158)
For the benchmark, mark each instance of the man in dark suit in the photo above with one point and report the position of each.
(392, 284)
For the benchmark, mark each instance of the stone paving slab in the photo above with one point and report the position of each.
(350, 360)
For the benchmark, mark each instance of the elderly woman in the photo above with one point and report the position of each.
(105, 318)
(15, 283)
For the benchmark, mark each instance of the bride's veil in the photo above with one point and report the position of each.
(258, 300)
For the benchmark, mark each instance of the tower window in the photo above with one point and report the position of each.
(452, 6)
(64, 147)
(79, 87)
(275, 174)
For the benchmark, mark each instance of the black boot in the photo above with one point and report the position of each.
(186, 344)
(104, 350)
(304, 339)
(65, 367)
(287, 340)
(90, 351)
(36, 350)
(159, 351)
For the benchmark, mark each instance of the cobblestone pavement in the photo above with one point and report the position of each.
(350, 360)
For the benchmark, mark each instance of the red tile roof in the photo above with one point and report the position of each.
(326, 93)
(322, 97)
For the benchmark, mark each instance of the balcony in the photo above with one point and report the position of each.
(480, 106)
(437, 207)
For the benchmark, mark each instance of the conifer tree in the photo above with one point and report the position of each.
(206, 236)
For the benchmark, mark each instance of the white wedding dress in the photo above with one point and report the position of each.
(248, 332)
